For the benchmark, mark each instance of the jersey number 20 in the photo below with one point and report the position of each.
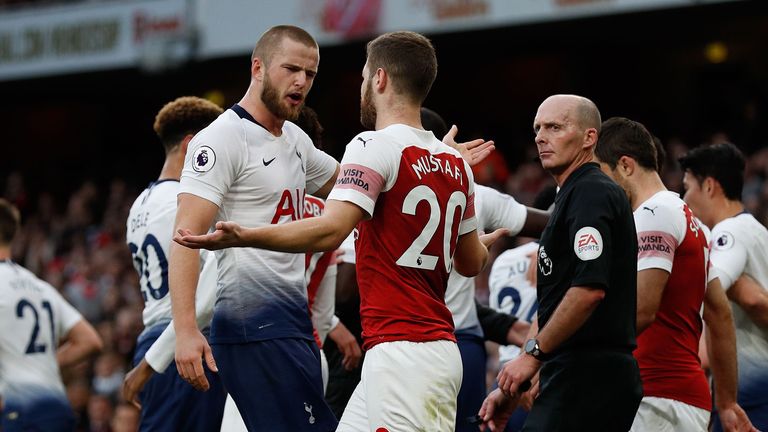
(414, 256)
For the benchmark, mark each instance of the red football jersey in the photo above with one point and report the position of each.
(316, 264)
(671, 238)
(419, 195)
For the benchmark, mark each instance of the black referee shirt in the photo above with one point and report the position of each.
(590, 240)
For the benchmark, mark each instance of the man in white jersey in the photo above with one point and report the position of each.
(713, 180)
(672, 287)
(41, 332)
(254, 167)
(402, 178)
(168, 403)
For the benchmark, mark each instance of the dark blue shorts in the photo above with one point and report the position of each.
(472, 393)
(168, 403)
(39, 414)
(276, 384)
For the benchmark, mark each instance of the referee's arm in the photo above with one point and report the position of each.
(573, 311)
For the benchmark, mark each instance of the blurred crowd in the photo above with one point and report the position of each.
(78, 245)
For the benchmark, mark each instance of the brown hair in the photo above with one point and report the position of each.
(624, 137)
(184, 116)
(10, 221)
(269, 42)
(408, 58)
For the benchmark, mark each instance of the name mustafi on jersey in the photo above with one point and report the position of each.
(429, 164)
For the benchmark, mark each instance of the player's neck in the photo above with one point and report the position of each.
(5, 253)
(256, 108)
(646, 185)
(172, 167)
(724, 209)
(408, 115)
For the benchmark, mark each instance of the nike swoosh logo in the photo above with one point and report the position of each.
(266, 325)
(267, 162)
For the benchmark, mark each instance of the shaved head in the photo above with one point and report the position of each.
(270, 42)
(580, 109)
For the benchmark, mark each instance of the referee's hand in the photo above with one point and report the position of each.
(515, 376)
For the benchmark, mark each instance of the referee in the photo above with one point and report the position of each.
(587, 290)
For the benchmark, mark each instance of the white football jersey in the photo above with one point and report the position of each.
(34, 317)
(740, 246)
(149, 233)
(510, 290)
(493, 210)
(256, 179)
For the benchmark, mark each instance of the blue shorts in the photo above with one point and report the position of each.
(472, 392)
(276, 384)
(48, 413)
(168, 403)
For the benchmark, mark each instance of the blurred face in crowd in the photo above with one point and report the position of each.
(367, 107)
(288, 77)
(559, 136)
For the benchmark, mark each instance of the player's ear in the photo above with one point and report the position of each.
(627, 165)
(258, 68)
(708, 186)
(380, 80)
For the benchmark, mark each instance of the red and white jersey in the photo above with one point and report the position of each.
(419, 194)
(321, 280)
(670, 238)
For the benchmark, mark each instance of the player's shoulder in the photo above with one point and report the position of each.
(663, 208)
(516, 254)
(742, 228)
(221, 131)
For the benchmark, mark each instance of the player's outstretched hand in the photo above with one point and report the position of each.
(490, 238)
(227, 234)
(734, 419)
(496, 410)
(471, 151)
(191, 348)
(345, 340)
(134, 382)
(516, 373)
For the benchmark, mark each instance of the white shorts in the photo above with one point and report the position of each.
(406, 386)
(662, 415)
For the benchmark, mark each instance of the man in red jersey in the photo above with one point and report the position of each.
(672, 284)
(412, 196)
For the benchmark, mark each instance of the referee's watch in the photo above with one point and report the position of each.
(531, 348)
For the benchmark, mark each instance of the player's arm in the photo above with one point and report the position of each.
(535, 222)
(721, 350)
(80, 342)
(328, 186)
(161, 353)
(650, 289)
(752, 297)
(195, 214)
(321, 233)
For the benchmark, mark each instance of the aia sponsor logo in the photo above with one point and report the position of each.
(588, 244)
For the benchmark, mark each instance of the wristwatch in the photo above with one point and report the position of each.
(531, 348)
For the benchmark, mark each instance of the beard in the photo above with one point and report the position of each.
(272, 100)
(368, 109)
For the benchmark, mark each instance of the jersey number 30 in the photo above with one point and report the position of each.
(141, 258)
(414, 256)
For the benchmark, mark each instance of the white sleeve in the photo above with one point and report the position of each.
(320, 168)
(163, 350)
(68, 316)
(728, 257)
(498, 210)
(469, 221)
(369, 167)
(348, 246)
(323, 307)
(214, 158)
(659, 233)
